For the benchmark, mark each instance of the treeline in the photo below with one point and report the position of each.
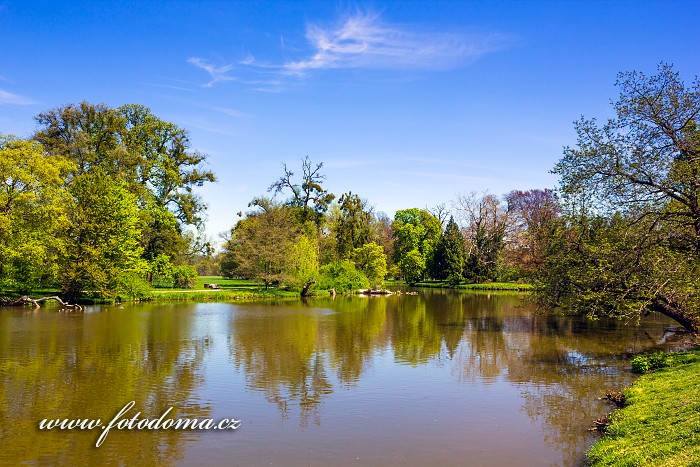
(99, 202)
(307, 240)
(621, 237)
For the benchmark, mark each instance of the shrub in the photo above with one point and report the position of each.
(649, 362)
(341, 276)
(134, 286)
(184, 277)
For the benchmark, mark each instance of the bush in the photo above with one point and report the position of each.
(184, 277)
(341, 276)
(134, 286)
(650, 362)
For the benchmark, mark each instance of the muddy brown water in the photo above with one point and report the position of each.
(441, 378)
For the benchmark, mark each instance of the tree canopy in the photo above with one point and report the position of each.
(354, 226)
(416, 233)
(631, 192)
(94, 195)
(307, 195)
(32, 213)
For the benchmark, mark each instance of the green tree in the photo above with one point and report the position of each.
(416, 233)
(151, 156)
(160, 270)
(102, 237)
(303, 263)
(413, 266)
(260, 244)
(639, 172)
(32, 214)
(308, 195)
(353, 227)
(450, 255)
(370, 260)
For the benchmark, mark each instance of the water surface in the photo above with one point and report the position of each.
(441, 378)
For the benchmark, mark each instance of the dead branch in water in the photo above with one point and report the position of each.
(23, 300)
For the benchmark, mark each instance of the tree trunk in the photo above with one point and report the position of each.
(305, 289)
(688, 321)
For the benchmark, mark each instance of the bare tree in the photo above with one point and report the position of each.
(308, 195)
(486, 224)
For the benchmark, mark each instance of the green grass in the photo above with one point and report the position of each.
(230, 289)
(485, 286)
(660, 423)
(221, 295)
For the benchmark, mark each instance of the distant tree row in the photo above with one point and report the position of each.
(309, 240)
(99, 202)
(620, 237)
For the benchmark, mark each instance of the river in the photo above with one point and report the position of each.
(440, 378)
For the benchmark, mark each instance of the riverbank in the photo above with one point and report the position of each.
(660, 421)
(513, 286)
(224, 290)
(244, 289)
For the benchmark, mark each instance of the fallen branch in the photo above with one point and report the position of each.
(35, 301)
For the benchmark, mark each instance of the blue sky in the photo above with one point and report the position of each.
(407, 103)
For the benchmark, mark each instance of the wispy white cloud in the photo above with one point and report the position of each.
(249, 60)
(365, 41)
(170, 86)
(360, 41)
(227, 111)
(217, 73)
(7, 98)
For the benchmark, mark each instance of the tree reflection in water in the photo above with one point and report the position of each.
(389, 363)
(58, 370)
(297, 356)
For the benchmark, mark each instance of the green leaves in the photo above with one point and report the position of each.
(260, 244)
(32, 213)
(630, 241)
(98, 190)
(416, 233)
(371, 261)
(450, 255)
(103, 237)
(354, 225)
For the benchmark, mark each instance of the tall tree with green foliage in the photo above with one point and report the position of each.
(640, 173)
(371, 261)
(450, 255)
(354, 226)
(103, 234)
(152, 156)
(416, 233)
(32, 214)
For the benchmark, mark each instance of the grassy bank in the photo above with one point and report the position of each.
(660, 422)
(514, 286)
(229, 289)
